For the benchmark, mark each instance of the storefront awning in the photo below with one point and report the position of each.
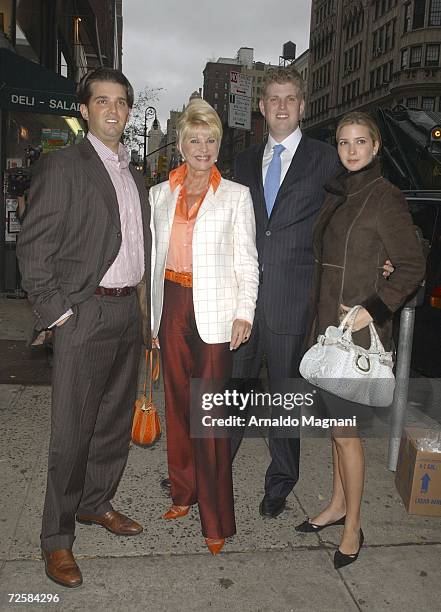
(28, 87)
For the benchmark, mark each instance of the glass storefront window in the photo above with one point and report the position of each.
(30, 135)
(32, 131)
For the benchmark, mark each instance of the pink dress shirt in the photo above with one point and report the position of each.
(128, 268)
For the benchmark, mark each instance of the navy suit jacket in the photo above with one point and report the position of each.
(284, 240)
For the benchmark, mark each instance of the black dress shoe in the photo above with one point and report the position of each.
(308, 527)
(341, 560)
(166, 485)
(270, 507)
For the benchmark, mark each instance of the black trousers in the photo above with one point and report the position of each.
(283, 354)
(96, 356)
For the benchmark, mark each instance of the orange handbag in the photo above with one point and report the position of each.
(146, 427)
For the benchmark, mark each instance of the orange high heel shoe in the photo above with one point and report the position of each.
(215, 546)
(176, 512)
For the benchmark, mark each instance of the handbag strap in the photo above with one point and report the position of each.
(348, 323)
(152, 370)
(376, 345)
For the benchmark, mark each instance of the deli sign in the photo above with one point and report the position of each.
(40, 102)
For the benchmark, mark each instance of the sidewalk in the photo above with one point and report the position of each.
(267, 566)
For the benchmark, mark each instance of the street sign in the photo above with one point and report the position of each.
(240, 101)
(241, 84)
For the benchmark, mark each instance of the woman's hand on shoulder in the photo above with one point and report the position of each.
(240, 333)
(362, 319)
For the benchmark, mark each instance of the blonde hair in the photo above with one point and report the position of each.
(283, 75)
(198, 113)
(360, 118)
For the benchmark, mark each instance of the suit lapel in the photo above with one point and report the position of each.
(209, 201)
(257, 169)
(171, 201)
(295, 171)
(143, 198)
(98, 174)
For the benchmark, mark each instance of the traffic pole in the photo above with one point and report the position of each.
(404, 355)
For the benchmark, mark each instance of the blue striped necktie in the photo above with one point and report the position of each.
(272, 178)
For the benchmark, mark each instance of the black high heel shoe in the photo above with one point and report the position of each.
(308, 527)
(341, 560)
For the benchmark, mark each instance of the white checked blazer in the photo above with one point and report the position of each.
(225, 268)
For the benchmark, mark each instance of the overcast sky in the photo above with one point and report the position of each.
(167, 43)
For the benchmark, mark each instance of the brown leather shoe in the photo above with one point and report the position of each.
(113, 521)
(176, 512)
(62, 568)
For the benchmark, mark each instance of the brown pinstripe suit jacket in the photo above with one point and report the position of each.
(72, 234)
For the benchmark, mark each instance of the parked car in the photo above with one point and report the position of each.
(425, 207)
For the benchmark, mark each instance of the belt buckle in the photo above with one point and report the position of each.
(118, 291)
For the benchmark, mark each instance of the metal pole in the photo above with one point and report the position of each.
(3, 127)
(399, 405)
(144, 164)
(149, 112)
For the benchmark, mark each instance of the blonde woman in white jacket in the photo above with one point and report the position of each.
(204, 291)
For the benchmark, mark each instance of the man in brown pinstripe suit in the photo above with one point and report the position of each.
(84, 254)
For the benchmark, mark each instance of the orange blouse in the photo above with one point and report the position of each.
(179, 256)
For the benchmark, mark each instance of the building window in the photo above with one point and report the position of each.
(412, 103)
(404, 58)
(407, 18)
(415, 56)
(419, 11)
(435, 13)
(216, 95)
(62, 64)
(428, 103)
(432, 55)
(383, 39)
(383, 6)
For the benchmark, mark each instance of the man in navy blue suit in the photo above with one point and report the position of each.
(286, 176)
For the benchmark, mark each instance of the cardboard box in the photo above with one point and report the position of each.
(418, 475)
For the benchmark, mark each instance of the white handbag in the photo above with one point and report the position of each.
(349, 371)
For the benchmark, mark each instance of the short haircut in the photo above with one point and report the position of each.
(360, 118)
(283, 75)
(84, 90)
(198, 113)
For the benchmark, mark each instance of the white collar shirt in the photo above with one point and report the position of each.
(290, 143)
